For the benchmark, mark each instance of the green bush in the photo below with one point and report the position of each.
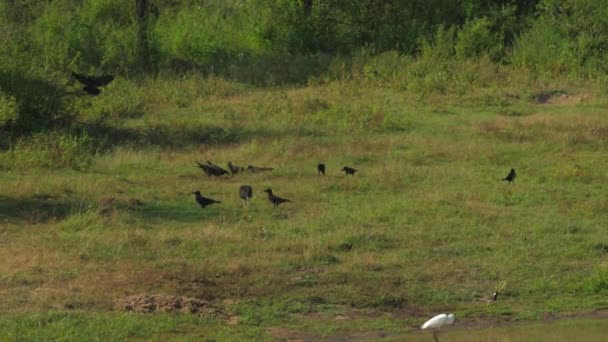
(568, 38)
(8, 109)
(121, 99)
(49, 150)
(476, 38)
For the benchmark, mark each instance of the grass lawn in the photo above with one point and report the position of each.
(426, 225)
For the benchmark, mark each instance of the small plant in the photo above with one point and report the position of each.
(8, 109)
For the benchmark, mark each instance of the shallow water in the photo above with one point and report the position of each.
(570, 330)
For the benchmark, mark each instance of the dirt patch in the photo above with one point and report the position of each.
(565, 99)
(160, 303)
(109, 204)
(558, 97)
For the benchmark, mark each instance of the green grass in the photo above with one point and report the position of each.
(425, 226)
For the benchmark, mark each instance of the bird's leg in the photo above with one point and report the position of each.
(436, 335)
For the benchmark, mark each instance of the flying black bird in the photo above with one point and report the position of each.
(256, 169)
(246, 193)
(234, 169)
(92, 83)
(275, 200)
(349, 170)
(321, 169)
(212, 170)
(204, 201)
(510, 177)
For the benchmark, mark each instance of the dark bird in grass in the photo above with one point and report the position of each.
(256, 169)
(211, 169)
(245, 193)
(275, 200)
(510, 177)
(92, 83)
(204, 201)
(321, 169)
(218, 168)
(349, 170)
(234, 169)
(490, 299)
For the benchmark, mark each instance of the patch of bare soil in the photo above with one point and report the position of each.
(143, 303)
(109, 204)
(559, 98)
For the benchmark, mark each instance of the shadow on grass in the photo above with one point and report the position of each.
(262, 70)
(167, 136)
(33, 210)
(162, 135)
(178, 212)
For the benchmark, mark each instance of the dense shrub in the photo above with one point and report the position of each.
(569, 37)
(49, 150)
(476, 38)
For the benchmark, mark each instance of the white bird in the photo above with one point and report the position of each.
(437, 322)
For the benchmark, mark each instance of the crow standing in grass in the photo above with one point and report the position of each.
(204, 201)
(246, 193)
(234, 169)
(321, 169)
(92, 83)
(349, 170)
(256, 169)
(218, 168)
(510, 177)
(275, 200)
(212, 170)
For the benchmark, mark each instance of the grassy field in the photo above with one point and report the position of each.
(426, 226)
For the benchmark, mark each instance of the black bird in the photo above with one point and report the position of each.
(92, 83)
(234, 169)
(321, 169)
(204, 201)
(256, 169)
(246, 193)
(211, 169)
(510, 177)
(349, 170)
(275, 200)
(219, 169)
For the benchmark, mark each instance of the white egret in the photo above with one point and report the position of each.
(437, 322)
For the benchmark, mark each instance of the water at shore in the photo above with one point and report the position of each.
(567, 330)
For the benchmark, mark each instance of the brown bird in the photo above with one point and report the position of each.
(510, 177)
(490, 299)
(204, 201)
(349, 170)
(256, 169)
(246, 193)
(275, 200)
(92, 83)
(321, 169)
(234, 169)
